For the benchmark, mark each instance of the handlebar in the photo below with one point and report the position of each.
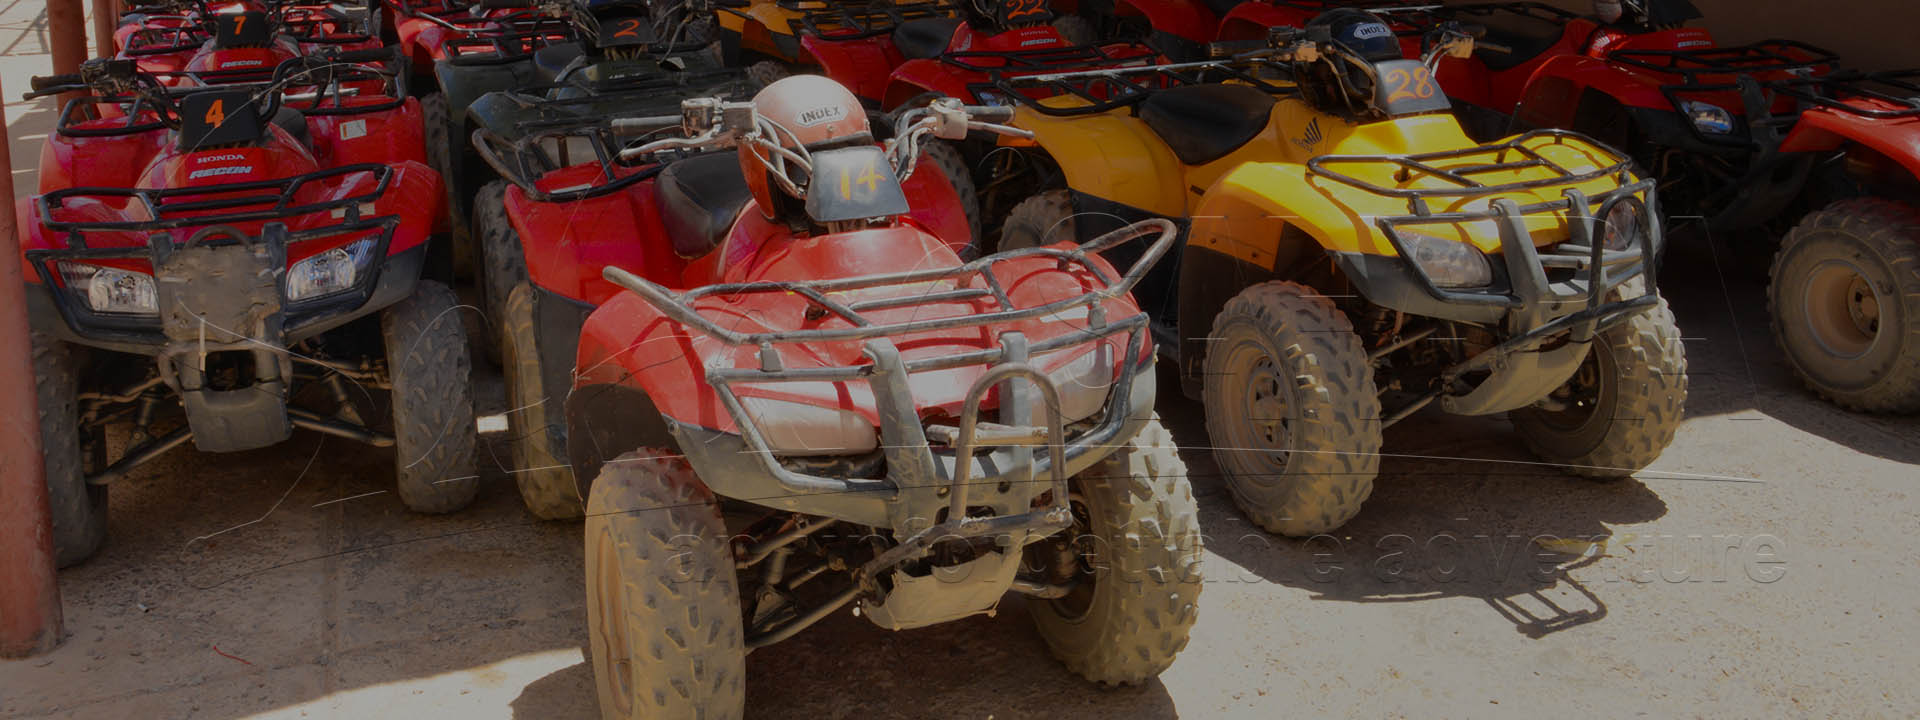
(54, 85)
(631, 127)
(370, 55)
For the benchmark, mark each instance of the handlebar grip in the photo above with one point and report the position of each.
(1230, 48)
(643, 125)
(989, 113)
(45, 83)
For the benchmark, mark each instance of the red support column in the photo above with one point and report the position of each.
(106, 14)
(29, 600)
(67, 34)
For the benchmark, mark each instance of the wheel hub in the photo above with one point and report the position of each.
(1842, 308)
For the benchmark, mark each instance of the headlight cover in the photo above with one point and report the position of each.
(1084, 385)
(111, 290)
(1621, 227)
(330, 271)
(1449, 263)
(801, 430)
(1709, 118)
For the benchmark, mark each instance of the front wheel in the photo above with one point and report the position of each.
(79, 509)
(663, 614)
(503, 261)
(434, 435)
(1622, 406)
(546, 484)
(1132, 560)
(1291, 409)
(1038, 221)
(1845, 299)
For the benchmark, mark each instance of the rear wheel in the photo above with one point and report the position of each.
(945, 156)
(1291, 409)
(1132, 558)
(1845, 299)
(438, 124)
(1037, 221)
(434, 435)
(663, 614)
(79, 510)
(1622, 406)
(546, 484)
(503, 263)
(766, 72)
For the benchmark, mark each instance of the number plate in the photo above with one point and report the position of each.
(855, 183)
(219, 118)
(1407, 87)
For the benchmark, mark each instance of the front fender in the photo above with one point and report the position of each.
(1821, 130)
(1113, 157)
(1551, 95)
(628, 342)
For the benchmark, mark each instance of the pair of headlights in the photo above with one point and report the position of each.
(114, 291)
(1455, 264)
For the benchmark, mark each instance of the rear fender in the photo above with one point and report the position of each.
(567, 244)
(1185, 19)
(1551, 95)
(861, 65)
(1825, 130)
(1113, 157)
(463, 84)
(385, 138)
(917, 77)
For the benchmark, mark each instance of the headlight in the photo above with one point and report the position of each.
(1622, 231)
(800, 430)
(111, 290)
(1709, 118)
(329, 272)
(1449, 263)
(993, 99)
(1083, 385)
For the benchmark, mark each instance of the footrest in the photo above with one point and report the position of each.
(990, 434)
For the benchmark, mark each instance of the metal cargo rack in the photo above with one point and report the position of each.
(1767, 56)
(1890, 95)
(1535, 10)
(844, 20)
(504, 39)
(1107, 89)
(524, 160)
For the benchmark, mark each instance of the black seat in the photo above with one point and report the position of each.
(295, 123)
(925, 38)
(1202, 123)
(699, 199)
(551, 60)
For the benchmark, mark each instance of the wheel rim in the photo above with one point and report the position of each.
(609, 596)
(1842, 309)
(1084, 555)
(1584, 397)
(1263, 431)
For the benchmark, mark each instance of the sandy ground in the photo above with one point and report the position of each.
(1760, 568)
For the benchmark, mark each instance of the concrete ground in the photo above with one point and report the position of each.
(1760, 568)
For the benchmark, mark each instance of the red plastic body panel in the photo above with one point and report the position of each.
(1821, 129)
(862, 65)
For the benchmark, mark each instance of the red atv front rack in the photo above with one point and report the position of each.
(921, 482)
(848, 20)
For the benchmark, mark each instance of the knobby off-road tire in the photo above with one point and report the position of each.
(434, 435)
(1640, 367)
(79, 510)
(437, 122)
(663, 612)
(1864, 251)
(1076, 30)
(943, 155)
(546, 484)
(1038, 221)
(1139, 511)
(503, 262)
(1291, 409)
(765, 72)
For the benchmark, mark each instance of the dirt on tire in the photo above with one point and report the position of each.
(546, 484)
(1645, 363)
(1143, 601)
(663, 612)
(503, 264)
(433, 423)
(1292, 342)
(1043, 219)
(79, 510)
(1879, 239)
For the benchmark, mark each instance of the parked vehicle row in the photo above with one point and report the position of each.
(815, 304)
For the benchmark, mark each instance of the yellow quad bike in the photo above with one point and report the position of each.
(764, 35)
(1351, 258)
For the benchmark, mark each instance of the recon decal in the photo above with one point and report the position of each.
(220, 171)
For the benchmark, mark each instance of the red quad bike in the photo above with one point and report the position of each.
(199, 272)
(1746, 139)
(843, 411)
(1178, 29)
(560, 223)
(247, 45)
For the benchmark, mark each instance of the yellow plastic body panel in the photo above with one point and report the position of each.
(1240, 202)
(756, 23)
